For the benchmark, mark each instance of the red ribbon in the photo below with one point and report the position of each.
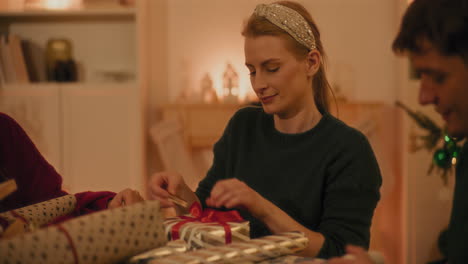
(208, 216)
(70, 241)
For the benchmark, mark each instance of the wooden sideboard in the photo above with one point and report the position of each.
(203, 124)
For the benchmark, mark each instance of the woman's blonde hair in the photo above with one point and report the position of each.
(260, 26)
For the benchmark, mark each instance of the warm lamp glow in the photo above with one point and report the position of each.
(241, 91)
(58, 4)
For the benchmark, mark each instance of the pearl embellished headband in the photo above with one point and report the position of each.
(290, 21)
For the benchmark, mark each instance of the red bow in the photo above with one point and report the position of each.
(208, 216)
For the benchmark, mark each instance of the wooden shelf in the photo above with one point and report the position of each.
(78, 12)
(66, 85)
(101, 12)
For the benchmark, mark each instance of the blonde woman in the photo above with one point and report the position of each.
(288, 165)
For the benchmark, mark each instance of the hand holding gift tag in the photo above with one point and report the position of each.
(178, 201)
(170, 190)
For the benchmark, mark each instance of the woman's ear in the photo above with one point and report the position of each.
(314, 60)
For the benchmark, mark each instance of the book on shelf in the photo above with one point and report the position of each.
(12, 59)
(34, 57)
(7, 60)
(18, 58)
(2, 71)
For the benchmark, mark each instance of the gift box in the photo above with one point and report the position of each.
(253, 251)
(207, 228)
(103, 237)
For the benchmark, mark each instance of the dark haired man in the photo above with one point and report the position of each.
(434, 35)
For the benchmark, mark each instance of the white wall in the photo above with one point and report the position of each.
(357, 35)
(205, 34)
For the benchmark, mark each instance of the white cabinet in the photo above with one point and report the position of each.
(36, 110)
(91, 131)
(91, 135)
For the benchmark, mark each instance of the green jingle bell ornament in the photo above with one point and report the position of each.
(442, 158)
(450, 144)
(451, 147)
(456, 152)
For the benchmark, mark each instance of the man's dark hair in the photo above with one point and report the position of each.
(444, 23)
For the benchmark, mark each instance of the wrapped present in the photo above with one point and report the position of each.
(55, 210)
(291, 259)
(171, 248)
(253, 251)
(39, 214)
(42, 213)
(103, 237)
(206, 228)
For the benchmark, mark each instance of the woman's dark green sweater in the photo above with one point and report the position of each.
(326, 178)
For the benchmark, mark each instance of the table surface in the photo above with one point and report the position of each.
(294, 260)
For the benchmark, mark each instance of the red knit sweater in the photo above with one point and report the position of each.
(36, 179)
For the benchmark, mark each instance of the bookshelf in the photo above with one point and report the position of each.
(93, 130)
(104, 41)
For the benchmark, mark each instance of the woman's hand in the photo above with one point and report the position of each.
(355, 255)
(162, 184)
(233, 193)
(125, 197)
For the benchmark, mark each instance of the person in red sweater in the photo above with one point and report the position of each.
(37, 180)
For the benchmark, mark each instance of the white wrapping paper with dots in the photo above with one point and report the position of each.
(202, 235)
(255, 250)
(41, 213)
(103, 237)
(291, 259)
(171, 248)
